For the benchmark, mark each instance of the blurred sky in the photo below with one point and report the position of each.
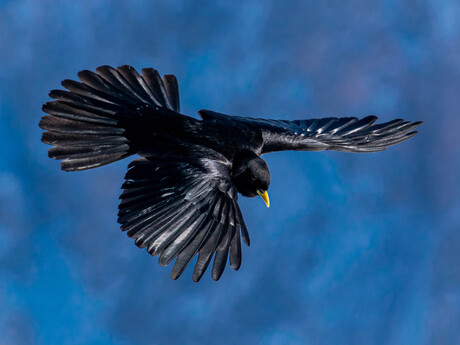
(355, 249)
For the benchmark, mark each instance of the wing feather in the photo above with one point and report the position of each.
(180, 202)
(340, 134)
(348, 134)
(220, 258)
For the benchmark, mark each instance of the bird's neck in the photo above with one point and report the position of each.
(241, 161)
(242, 174)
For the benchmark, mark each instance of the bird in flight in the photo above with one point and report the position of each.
(180, 198)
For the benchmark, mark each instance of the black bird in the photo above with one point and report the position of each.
(180, 197)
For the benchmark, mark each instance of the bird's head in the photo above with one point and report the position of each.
(251, 176)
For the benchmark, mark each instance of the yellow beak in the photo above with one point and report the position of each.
(264, 195)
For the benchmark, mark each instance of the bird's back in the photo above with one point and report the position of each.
(229, 136)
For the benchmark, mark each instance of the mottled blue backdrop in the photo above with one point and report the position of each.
(355, 249)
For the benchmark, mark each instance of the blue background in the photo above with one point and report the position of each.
(355, 249)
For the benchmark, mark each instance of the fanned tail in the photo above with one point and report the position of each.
(89, 124)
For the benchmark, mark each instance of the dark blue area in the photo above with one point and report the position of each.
(355, 249)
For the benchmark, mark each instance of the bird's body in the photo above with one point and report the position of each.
(180, 197)
(216, 131)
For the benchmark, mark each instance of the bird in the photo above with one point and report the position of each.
(180, 195)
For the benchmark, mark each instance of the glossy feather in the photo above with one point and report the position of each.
(191, 218)
(179, 199)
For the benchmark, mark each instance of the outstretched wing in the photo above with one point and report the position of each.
(178, 202)
(348, 134)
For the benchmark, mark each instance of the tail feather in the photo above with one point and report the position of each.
(153, 81)
(86, 123)
(85, 103)
(172, 91)
(62, 125)
(77, 164)
(71, 112)
(82, 140)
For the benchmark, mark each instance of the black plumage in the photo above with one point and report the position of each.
(180, 198)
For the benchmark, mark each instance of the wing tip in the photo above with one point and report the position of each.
(418, 123)
(235, 267)
(175, 276)
(216, 276)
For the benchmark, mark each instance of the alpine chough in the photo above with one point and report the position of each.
(180, 197)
